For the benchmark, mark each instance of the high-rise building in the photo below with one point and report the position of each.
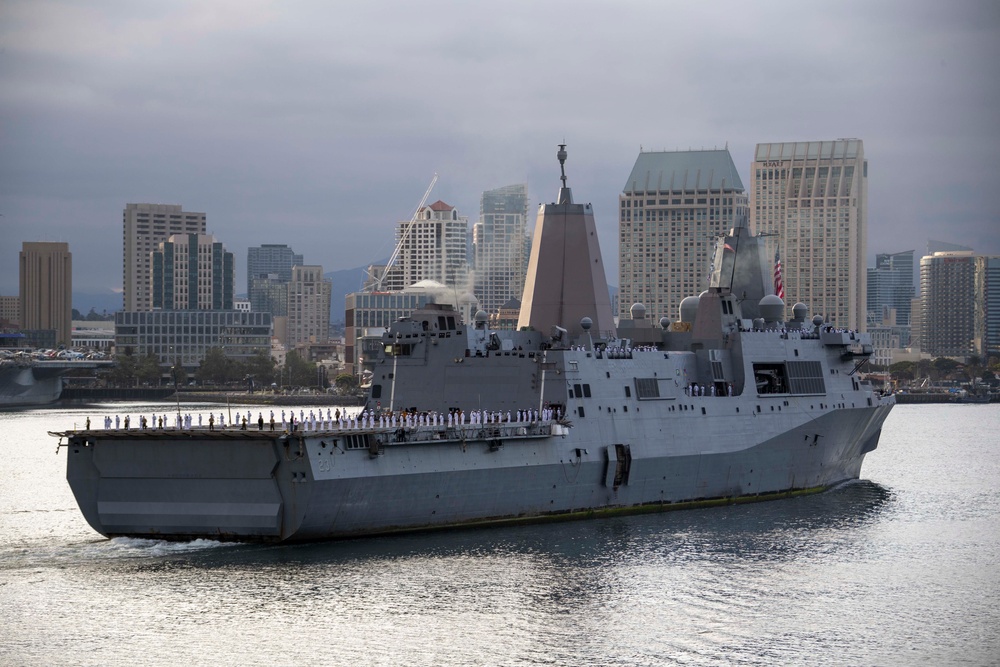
(890, 285)
(145, 226)
(501, 246)
(947, 294)
(46, 289)
(308, 306)
(813, 197)
(986, 303)
(269, 265)
(890, 293)
(192, 272)
(269, 294)
(671, 211)
(433, 248)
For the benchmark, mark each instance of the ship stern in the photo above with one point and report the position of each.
(168, 486)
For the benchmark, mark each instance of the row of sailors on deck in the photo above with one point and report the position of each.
(621, 352)
(695, 389)
(500, 417)
(315, 421)
(626, 351)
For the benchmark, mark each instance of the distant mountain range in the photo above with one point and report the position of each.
(104, 302)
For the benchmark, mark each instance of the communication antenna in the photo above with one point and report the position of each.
(402, 237)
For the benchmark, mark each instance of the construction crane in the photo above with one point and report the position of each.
(402, 237)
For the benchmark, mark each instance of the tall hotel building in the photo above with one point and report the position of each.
(145, 227)
(813, 197)
(672, 210)
(433, 248)
(501, 246)
(46, 289)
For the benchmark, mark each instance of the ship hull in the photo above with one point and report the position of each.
(310, 486)
(22, 386)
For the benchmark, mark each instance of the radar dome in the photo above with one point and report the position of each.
(664, 322)
(689, 308)
(638, 311)
(817, 319)
(481, 316)
(586, 323)
(772, 308)
(800, 311)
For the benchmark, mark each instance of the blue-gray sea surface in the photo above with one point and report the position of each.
(899, 568)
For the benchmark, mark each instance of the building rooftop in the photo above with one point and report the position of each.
(683, 170)
(810, 150)
(440, 206)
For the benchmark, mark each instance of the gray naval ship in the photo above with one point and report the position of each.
(569, 417)
(29, 382)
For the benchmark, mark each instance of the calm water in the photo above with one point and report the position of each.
(900, 568)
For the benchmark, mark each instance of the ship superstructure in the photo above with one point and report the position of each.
(569, 416)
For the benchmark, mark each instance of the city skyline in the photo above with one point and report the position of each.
(335, 139)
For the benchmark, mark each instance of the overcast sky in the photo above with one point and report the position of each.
(320, 124)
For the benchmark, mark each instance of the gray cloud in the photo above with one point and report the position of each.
(320, 125)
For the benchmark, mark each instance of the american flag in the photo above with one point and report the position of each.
(779, 287)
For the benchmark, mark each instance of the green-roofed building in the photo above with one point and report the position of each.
(671, 211)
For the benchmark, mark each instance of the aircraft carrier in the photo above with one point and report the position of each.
(571, 416)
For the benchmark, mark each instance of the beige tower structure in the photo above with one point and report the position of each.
(812, 196)
(145, 227)
(570, 284)
(46, 292)
(308, 306)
